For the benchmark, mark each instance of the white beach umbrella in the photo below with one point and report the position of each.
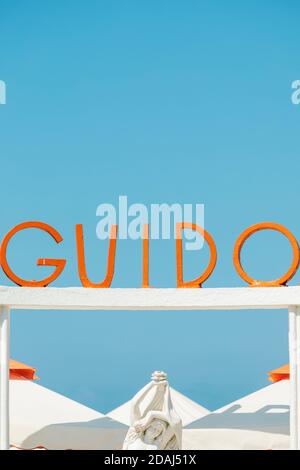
(41, 417)
(257, 421)
(187, 409)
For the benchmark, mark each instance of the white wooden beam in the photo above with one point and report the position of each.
(79, 298)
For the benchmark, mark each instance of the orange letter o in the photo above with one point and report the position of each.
(256, 228)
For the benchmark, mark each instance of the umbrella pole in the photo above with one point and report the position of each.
(4, 377)
(294, 350)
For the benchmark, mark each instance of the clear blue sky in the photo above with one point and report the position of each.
(163, 101)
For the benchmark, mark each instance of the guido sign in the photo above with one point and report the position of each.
(59, 264)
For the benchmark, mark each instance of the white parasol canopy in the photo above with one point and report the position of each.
(187, 409)
(41, 417)
(257, 421)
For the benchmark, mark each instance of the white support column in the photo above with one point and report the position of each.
(298, 373)
(4, 377)
(294, 353)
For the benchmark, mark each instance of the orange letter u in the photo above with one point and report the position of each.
(110, 260)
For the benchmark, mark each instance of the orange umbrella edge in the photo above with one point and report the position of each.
(20, 371)
(282, 373)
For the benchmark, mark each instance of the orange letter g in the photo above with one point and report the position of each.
(59, 263)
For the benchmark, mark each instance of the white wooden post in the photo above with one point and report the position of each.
(297, 413)
(4, 377)
(294, 353)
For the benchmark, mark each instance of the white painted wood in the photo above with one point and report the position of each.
(4, 377)
(293, 378)
(297, 411)
(79, 298)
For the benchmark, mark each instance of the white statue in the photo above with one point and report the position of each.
(154, 424)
